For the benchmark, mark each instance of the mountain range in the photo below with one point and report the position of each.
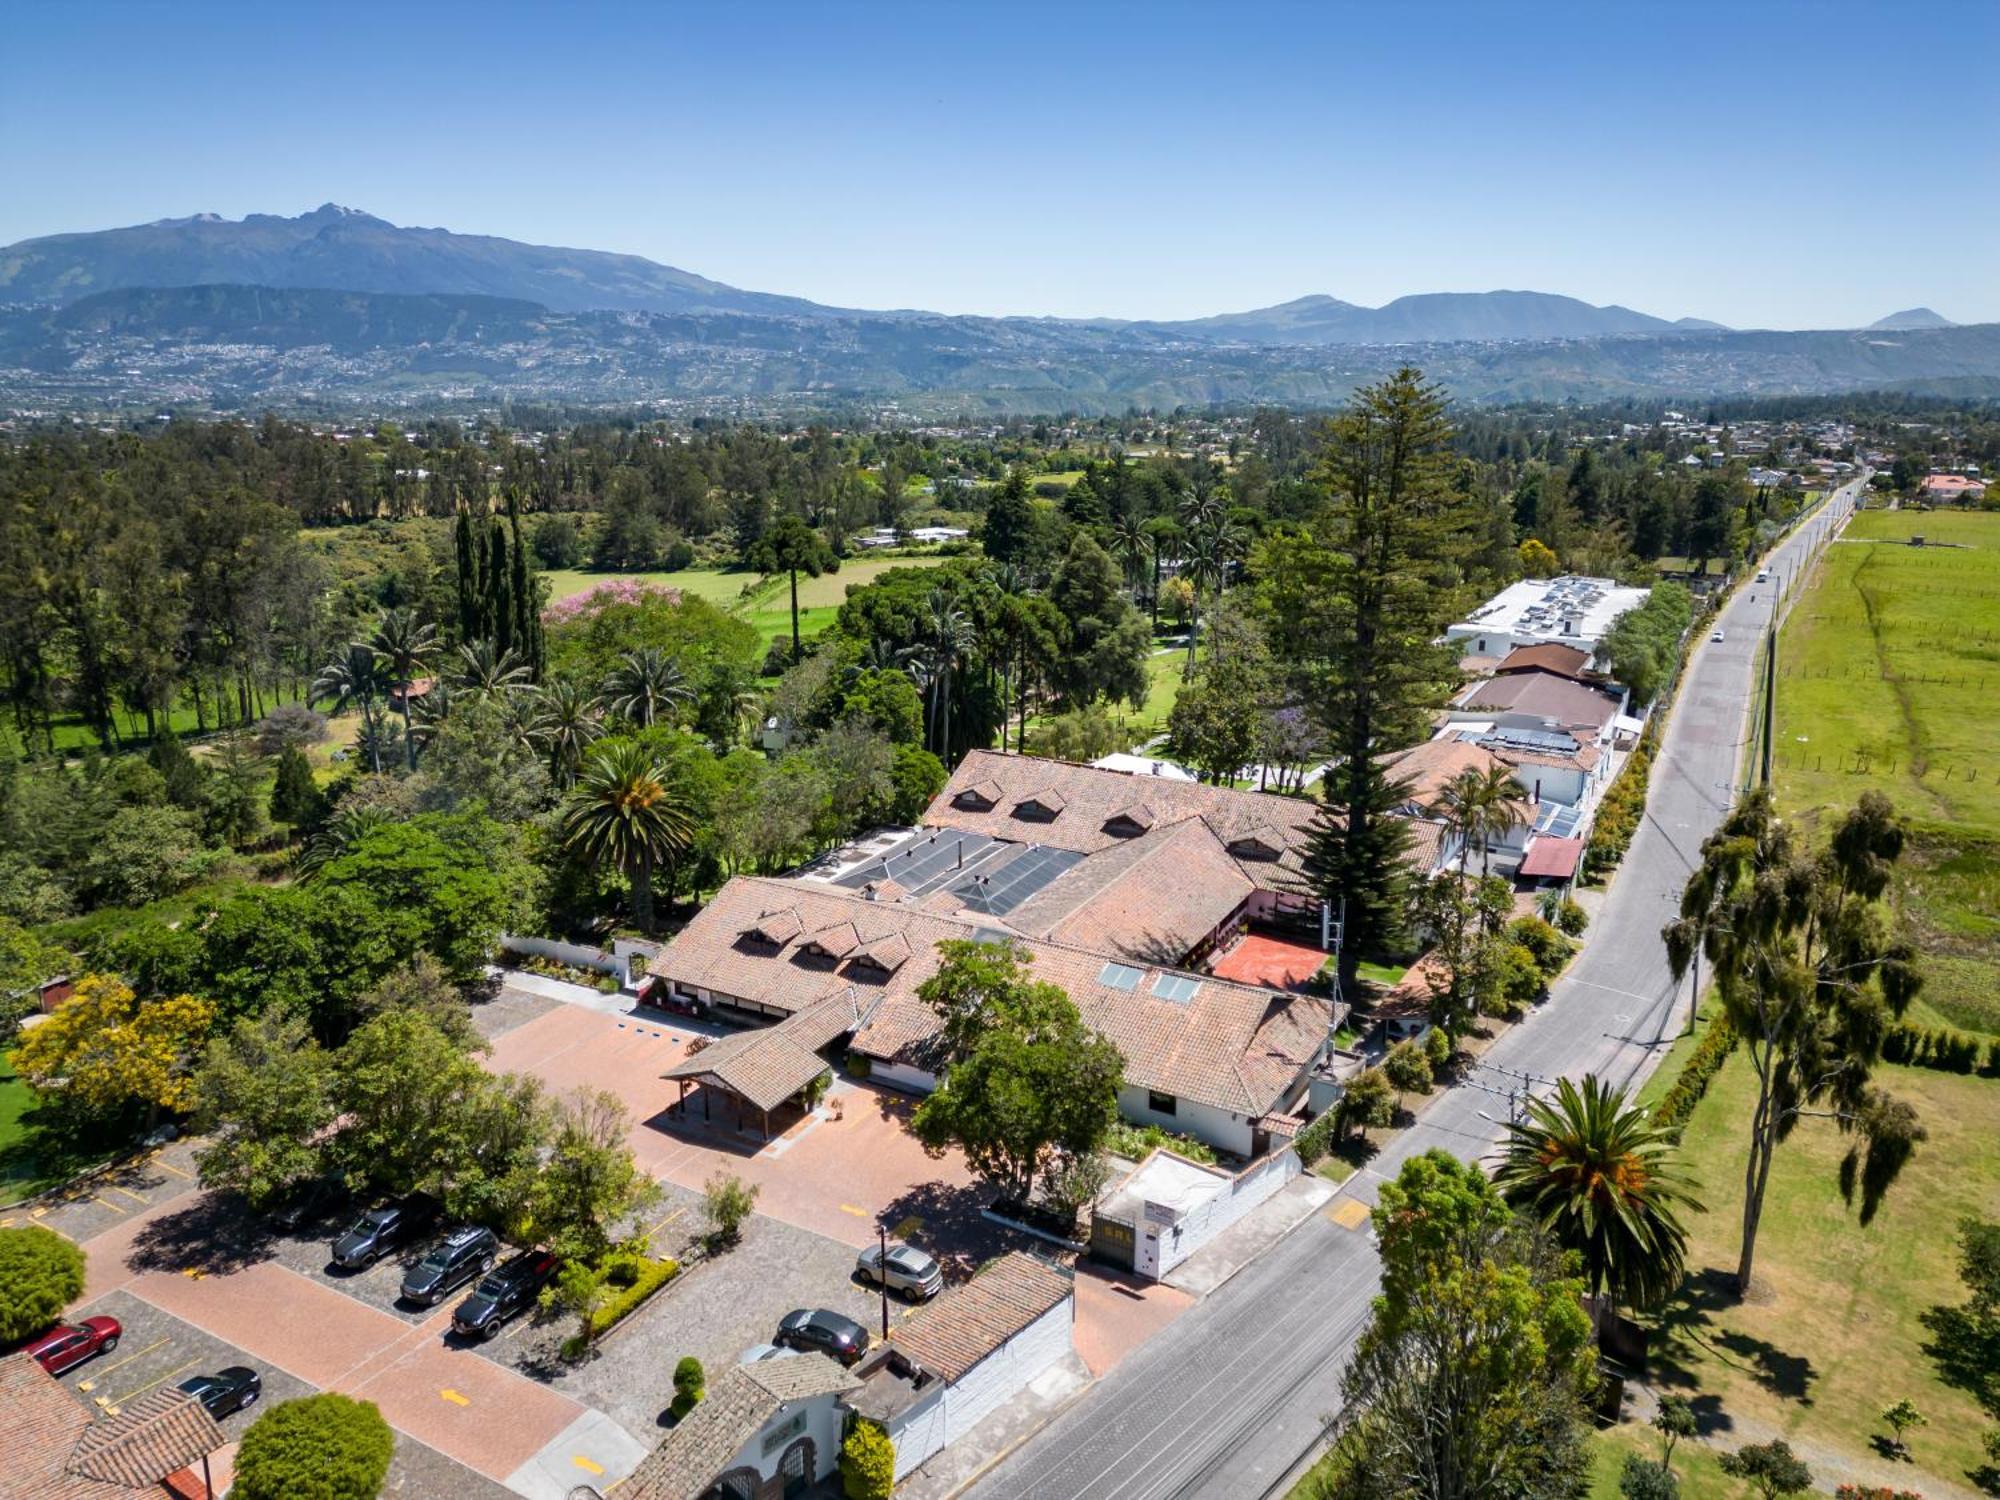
(340, 306)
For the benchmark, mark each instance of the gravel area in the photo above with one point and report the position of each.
(507, 1009)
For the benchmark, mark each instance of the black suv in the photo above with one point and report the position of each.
(380, 1230)
(227, 1390)
(828, 1332)
(502, 1294)
(463, 1253)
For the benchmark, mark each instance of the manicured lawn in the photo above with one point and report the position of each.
(1833, 1331)
(1700, 1476)
(1386, 975)
(1891, 664)
(27, 1164)
(707, 583)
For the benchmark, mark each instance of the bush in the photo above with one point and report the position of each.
(1619, 812)
(867, 1463)
(1570, 919)
(1134, 1141)
(1647, 1479)
(325, 1447)
(1437, 1049)
(636, 1278)
(1700, 1068)
(1549, 948)
(1316, 1139)
(728, 1201)
(1407, 1069)
(41, 1273)
(690, 1385)
(1946, 1051)
(858, 1065)
(1517, 981)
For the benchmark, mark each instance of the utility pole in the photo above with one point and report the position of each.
(882, 1266)
(1771, 677)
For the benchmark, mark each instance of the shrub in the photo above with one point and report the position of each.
(1618, 814)
(1647, 1479)
(1570, 919)
(728, 1201)
(41, 1273)
(1946, 1051)
(1549, 948)
(1316, 1139)
(690, 1385)
(635, 1278)
(1517, 981)
(325, 1447)
(1696, 1073)
(859, 1065)
(1438, 1049)
(1407, 1069)
(1134, 1141)
(867, 1463)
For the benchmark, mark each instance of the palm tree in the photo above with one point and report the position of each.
(646, 687)
(947, 634)
(1601, 1178)
(347, 827)
(1481, 806)
(621, 812)
(483, 667)
(567, 724)
(405, 649)
(1129, 540)
(354, 681)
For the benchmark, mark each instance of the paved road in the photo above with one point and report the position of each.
(1225, 1401)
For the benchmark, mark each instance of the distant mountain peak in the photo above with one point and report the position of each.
(1911, 317)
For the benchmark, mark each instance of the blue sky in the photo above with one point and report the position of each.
(1766, 165)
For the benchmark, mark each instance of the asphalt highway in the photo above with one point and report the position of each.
(1226, 1401)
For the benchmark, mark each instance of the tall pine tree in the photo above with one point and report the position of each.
(1354, 605)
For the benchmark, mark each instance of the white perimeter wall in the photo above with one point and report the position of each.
(1208, 1219)
(988, 1385)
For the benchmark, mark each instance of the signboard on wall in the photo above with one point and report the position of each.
(1161, 1213)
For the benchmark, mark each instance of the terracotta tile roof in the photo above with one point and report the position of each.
(1152, 899)
(1093, 797)
(149, 1439)
(737, 1407)
(767, 1066)
(1546, 696)
(50, 1449)
(1546, 656)
(966, 1324)
(1233, 1046)
(1429, 766)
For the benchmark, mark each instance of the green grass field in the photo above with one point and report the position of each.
(1700, 1475)
(1833, 1331)
(1890, 681)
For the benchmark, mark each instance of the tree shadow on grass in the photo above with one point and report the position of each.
(214, 1235)
(1966, 1351)
(1693, 1319)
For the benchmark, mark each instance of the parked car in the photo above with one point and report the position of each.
(229, 1389)
(68, 1345)
(380, 1230)
(309, 1202)
(502, 1294)
(758, 1353)
(1405, 1029)
(463, 1253)
(911, 1273)
(1716, 637)
(828, 1332)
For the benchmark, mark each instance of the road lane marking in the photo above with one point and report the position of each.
(589, 1466)
(91, 1384)
(454, 1398)
(178, 1370)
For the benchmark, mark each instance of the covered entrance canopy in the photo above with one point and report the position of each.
(768, 1068)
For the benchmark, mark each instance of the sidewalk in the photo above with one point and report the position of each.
(955, 1469)
(1253, 1234)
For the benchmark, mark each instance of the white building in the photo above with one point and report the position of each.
(768, 1428)
(967, 1354)
(1569, 611)
(1168, 1207)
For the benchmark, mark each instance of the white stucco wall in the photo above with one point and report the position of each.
(1208, 1219)
(945, 1416)
(901, 1076)
(1217, 1127)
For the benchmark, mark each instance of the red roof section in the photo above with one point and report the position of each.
(1553, 859)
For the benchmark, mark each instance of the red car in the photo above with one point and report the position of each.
(69, 1345)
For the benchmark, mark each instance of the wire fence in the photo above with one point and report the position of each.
(1861, 763)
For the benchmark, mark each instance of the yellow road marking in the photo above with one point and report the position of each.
(121, 1400)
(667, 1220)
(193, 1273)
(1349, 1213)
(167, 1166)
(7, 1223)
(112, 1411)
(454, 1398)
(100, 1198)
(121, 1364)
(130, 1194)
(587, 1465)
(36, 1213)
(849, 1208)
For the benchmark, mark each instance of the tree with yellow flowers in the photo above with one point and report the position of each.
(106, 1052)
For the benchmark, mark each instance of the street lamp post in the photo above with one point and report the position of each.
(883, 1267)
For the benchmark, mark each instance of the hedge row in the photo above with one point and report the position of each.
(647, 1277)
(1316, 1139)
(1619, 813)
(1947, 1051)
(1696, 1073)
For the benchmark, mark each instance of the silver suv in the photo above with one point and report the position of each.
(910, 1272)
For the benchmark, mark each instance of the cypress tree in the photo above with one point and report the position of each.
(467, 550)
(499, 592)
(522, 594)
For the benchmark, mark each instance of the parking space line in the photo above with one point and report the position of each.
(97, 1375)
(100, 1198)
(130, 1194)
(589, 1466)
(120, 1401)
(167, 1166)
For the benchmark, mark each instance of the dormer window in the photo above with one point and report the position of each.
(1041, 807)
(981, 796)
(774, 929)
(1261, 843)
(1130, 821)
(884, 956)
(832, 943)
